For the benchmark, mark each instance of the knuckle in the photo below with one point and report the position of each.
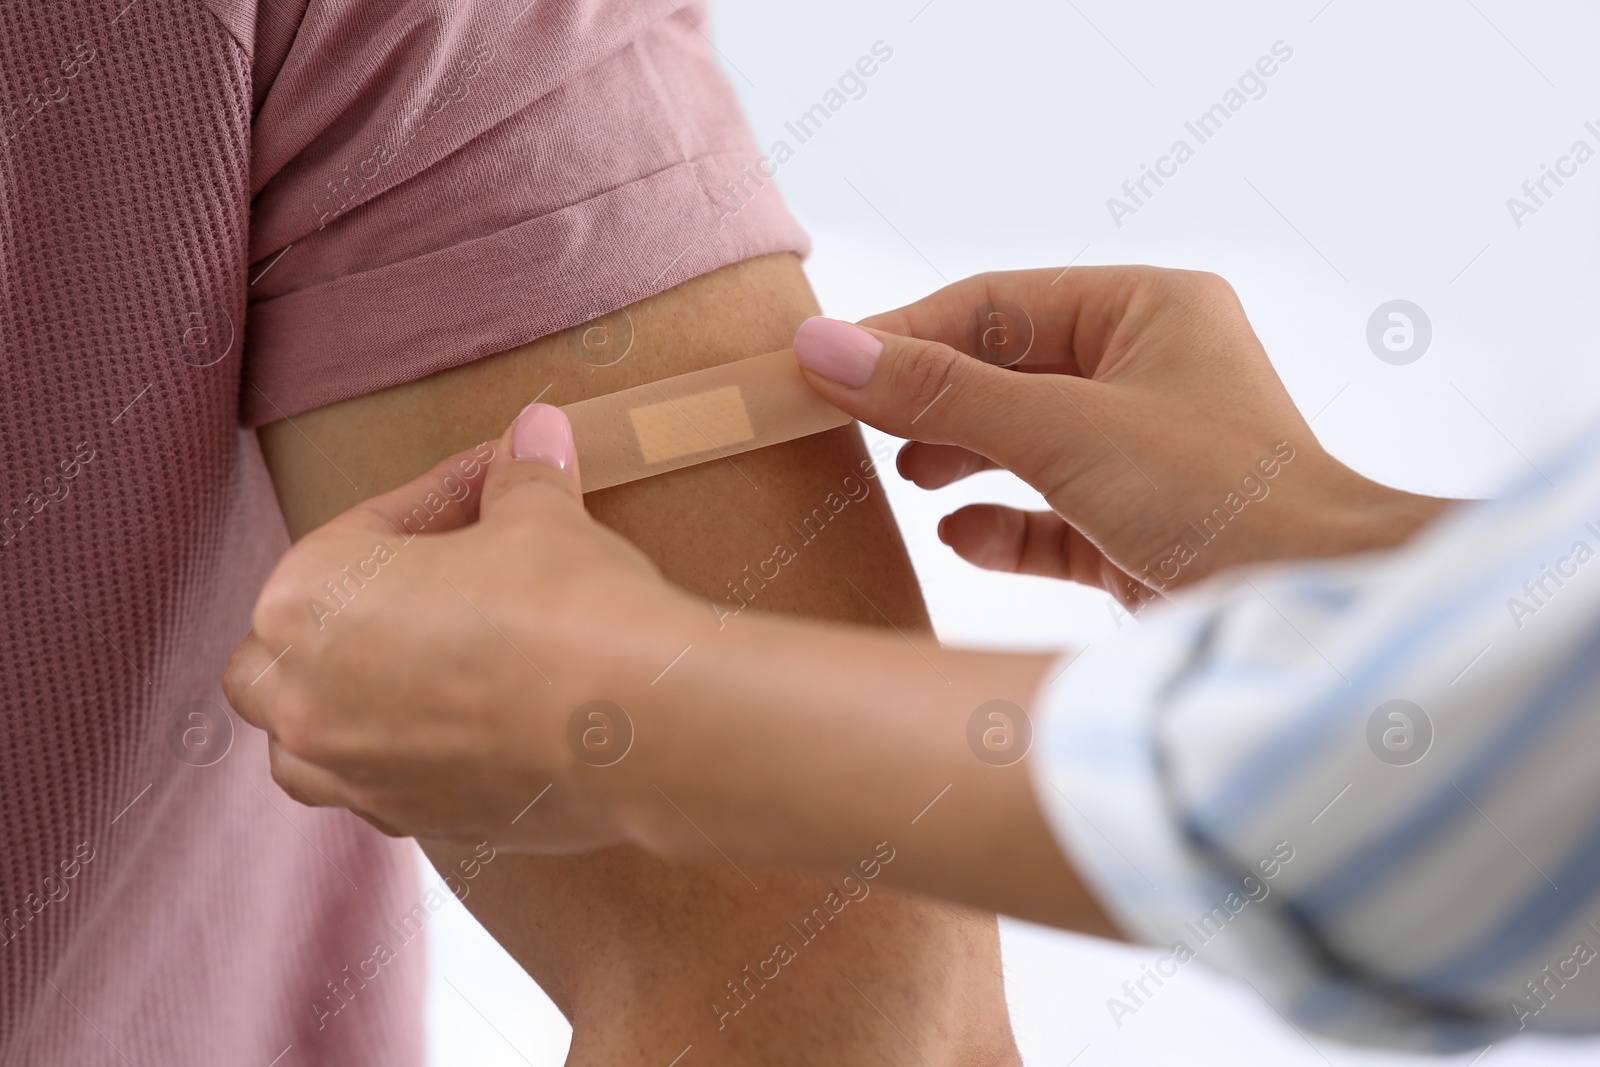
(283, 774)
(378, 809)
(234, 683)
(535, 499)
(925, 373)
(991, 283)
(278, 608)
(285, 782)
(1208, 285)
(300, 732)
(235, 667)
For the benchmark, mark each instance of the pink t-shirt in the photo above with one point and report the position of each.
(214, 214)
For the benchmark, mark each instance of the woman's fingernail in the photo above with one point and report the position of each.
(837, 350)
(543, 434)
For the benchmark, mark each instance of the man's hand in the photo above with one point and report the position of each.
(1149, 417)
(417, 659)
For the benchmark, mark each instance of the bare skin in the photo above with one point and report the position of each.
(635, 950)
(1145, 411)
(793, 742)
(783, 742)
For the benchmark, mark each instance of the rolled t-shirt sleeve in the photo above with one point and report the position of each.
(1364, 787)
(437, 182)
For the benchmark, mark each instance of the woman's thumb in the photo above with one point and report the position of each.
(535, 455)
(927, 391)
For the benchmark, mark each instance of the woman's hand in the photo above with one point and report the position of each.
(1137, 400)
(435, 660)
(420, 658)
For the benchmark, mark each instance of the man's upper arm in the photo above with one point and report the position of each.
(396, 248)
(800, 527)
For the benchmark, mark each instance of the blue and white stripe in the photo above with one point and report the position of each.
(1437, 904)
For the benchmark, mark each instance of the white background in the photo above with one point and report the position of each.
(1377, 166)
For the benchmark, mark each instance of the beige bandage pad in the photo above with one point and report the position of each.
(696, 417)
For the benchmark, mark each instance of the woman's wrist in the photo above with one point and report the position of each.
(611, 693)
(1319, 508)
(781, 743)
(1358, 514)
(702, 693)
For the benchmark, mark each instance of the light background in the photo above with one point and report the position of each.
(1377, 166)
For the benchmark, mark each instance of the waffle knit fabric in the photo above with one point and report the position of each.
(216, 214)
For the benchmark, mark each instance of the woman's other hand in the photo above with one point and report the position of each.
(1137, 400)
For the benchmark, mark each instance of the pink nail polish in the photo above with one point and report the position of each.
(544, 435)
(837, 350)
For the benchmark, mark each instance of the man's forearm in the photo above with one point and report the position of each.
(783, 743)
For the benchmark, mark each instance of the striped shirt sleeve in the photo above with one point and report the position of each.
(1367, 788)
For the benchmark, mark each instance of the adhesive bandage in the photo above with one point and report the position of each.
(696, 417)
